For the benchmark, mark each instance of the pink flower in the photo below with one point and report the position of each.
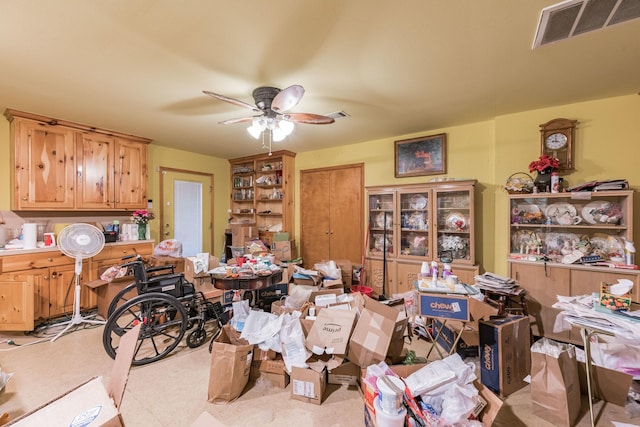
(142, 216)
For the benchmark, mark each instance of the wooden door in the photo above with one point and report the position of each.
(45, 166)
(408, 274)
(130, 174)
(94, 153)
(346, 202)
(314, 216)
(331, 214)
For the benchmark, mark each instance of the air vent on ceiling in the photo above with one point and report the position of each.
(574, 17)
(338, 115)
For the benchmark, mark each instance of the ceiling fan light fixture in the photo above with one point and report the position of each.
(255, 130)
(278, 134)
(286, 126)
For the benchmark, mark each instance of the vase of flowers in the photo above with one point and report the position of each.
(544, 166)
(142, 218)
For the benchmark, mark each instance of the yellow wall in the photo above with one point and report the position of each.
(178, 159)
(607, 140)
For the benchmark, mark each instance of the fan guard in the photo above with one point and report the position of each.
(80, 240)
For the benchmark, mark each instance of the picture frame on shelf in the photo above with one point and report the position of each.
(421, 156)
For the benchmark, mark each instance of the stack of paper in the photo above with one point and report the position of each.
(495, 282)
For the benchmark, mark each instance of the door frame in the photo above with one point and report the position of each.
(163, 169)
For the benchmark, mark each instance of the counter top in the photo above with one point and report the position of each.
(9, 252)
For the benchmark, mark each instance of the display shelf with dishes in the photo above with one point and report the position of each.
(422, 221)
(568, 244)
(566, 222)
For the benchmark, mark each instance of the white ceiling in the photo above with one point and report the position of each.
(396, 67)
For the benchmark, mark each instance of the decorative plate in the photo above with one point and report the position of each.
(561, 243)
(601, 212)
(418, 201)
(524, 241)
(559, 209)
(456, 221)
(379, 244)
(380, 220)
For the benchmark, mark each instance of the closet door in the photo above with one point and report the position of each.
(331, 214)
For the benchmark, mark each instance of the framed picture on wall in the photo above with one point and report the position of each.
(421, 156)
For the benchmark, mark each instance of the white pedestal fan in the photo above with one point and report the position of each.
(79, 241)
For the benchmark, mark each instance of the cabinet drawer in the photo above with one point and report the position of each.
(119, 251)
(34, 260)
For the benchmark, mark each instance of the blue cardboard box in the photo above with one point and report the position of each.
(505, 356)
(445, 306)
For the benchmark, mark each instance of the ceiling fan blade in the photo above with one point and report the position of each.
(239, 120)
(313, 119)
(287, 98)
(232, 101)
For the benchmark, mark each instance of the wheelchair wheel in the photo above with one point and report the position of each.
(164, 322)
(196, 338)
(121, 297)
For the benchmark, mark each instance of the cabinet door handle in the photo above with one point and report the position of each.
(50, 259)
(166, 233)
(54, 275)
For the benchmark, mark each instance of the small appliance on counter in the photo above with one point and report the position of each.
(111, 232)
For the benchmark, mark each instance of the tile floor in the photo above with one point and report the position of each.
(173, 391)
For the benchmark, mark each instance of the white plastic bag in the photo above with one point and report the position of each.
(171, 247)
(240, 313)
(294, 352)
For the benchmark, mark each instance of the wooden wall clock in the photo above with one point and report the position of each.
(557, 137)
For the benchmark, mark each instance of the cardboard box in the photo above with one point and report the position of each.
(106, 291)
(271, 294)
(331, 331)
(505, 357)
(346, 269)
(240, 233)
(379, 333)
(284, 250)
(90, 402)
(453, 308)
(348, 373)
(157, 261)
(308, 385)
(448, 336)
(190, 268)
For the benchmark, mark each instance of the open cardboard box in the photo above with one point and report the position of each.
(90, 403)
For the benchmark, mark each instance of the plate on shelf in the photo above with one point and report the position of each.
(524, 240)
(418, 201)
(456, 221)
(380, 220)
(558, 209)
(601, 212)
(561, 243)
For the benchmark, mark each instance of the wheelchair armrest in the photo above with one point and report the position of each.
(161, 268)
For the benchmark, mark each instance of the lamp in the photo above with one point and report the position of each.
(276, 129)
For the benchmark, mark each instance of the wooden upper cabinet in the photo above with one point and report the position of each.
(131, 174)
(43, 157)
(66, 166)
(95, 170)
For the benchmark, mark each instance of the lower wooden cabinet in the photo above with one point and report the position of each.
(544, 283)
(400, 276)
(31, 294)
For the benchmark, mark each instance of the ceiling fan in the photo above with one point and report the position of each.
(273, 104)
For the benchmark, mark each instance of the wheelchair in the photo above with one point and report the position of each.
(166, 305)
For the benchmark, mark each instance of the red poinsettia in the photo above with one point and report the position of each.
(544, 162)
